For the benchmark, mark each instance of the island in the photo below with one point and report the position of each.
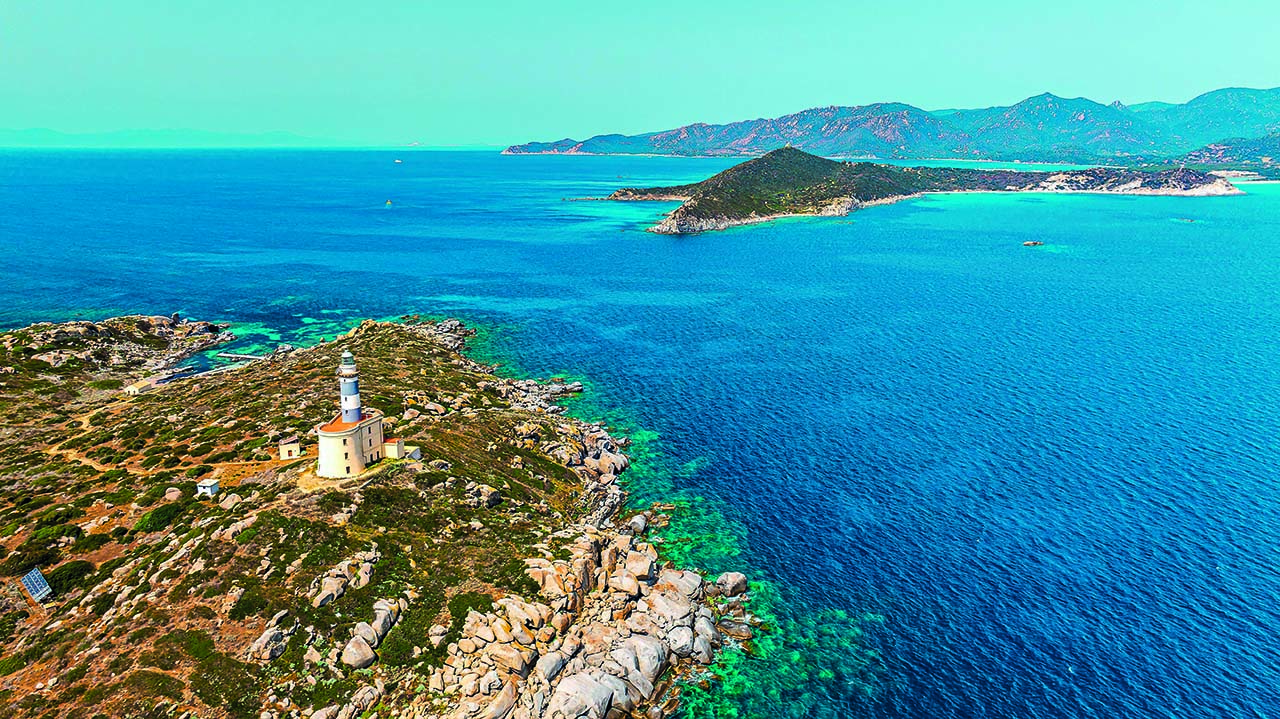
(789, 182)
(182, 555)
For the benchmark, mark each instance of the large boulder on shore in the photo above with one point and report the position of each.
(513, 658)
(668, 607)
(580, 696)
(651, 655)
(358, 654)
(681, 641)
(687, 583)
(550, 664)
(502, 704)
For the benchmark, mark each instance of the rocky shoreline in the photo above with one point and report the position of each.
(113, 342)
(613, 627)
(839, 207)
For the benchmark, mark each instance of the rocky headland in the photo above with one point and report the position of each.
(788, 183)
(497, 576)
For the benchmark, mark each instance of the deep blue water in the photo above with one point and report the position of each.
(1053, 470)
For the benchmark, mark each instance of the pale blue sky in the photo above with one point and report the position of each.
(497, 73)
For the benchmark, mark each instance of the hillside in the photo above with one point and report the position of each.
(1220, 115)
(1044, 128)
(1047, 127)
(488, 575)
(789, 181)
(1262, 152)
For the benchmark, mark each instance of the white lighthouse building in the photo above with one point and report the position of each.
(352, 440)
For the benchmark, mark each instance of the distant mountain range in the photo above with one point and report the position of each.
(1044, 128)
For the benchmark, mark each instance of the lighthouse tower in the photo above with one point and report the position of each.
(349, 388)
(353, 439)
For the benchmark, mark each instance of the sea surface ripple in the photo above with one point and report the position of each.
(1049, 474)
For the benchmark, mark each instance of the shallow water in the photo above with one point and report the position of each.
(982, 479)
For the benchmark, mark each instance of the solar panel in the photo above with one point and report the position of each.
(36, 586)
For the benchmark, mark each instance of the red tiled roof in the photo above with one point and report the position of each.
(337, 425)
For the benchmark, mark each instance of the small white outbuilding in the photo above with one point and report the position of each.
(206, 487)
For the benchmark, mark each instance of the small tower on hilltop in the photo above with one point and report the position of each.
(349, 388)
(353, 439)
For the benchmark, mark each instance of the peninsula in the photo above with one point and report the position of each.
(790, 182)
(200, 563)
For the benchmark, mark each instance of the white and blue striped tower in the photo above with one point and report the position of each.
(349, 388)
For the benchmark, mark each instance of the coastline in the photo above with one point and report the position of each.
(717, 224)
(599, 590)
(836, 209)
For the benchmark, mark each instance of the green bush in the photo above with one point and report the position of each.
(91, 542)
(102, 603)
(251, 603)
(158, 518)
(221, 681)
(24, 560)
(196, 644)
(161, 657)
(9, 665)
(200, 611)
(69, 576)
(58, 515)
(9, 623)
(48, 535)
(155, 684)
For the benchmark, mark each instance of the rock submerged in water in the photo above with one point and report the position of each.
(638, 524)
(731, 584)
(735, 629)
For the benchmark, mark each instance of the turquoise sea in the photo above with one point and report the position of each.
(971, 478)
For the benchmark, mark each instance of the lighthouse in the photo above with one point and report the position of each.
(353, 439)
(349, 388)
